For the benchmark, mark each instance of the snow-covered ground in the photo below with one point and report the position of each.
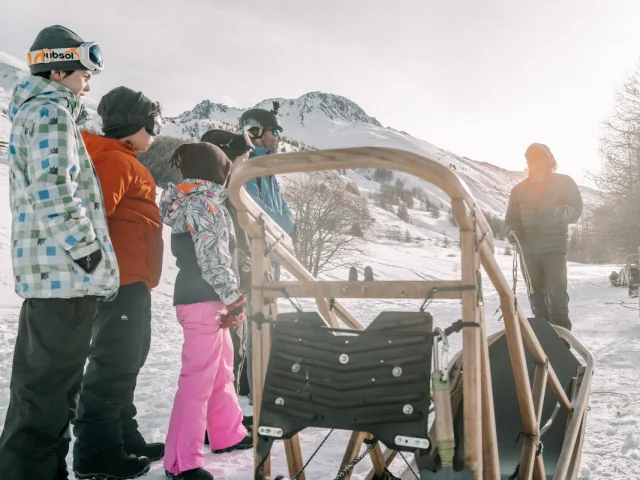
(610, 330)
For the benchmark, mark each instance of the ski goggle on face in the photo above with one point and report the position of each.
(275, 131)
(154, 127)
(88, 54)
(151, 123)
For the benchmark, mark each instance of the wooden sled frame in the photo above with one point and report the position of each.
(477, 249)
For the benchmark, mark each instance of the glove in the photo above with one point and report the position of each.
(561, 213)
(236, 312)
(90, 262)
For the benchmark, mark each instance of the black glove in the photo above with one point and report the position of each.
(90, 262)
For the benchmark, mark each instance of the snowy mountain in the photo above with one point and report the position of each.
(334, 107)
(12, 71)
(323, 120)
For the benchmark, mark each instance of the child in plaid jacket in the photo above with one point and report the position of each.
(62, 256)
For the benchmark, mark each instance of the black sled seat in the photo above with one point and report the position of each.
(507, 413)
(375, 380)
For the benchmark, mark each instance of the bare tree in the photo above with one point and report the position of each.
(331, 223)
(156, 159)
(403, 213)
(407, 198)
(382, 176)
(615, 222)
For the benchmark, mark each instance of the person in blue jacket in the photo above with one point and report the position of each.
(265, 133)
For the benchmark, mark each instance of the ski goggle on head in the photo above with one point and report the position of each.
(88, 54)
(152, 123)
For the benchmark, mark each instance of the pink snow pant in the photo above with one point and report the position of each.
(206, 397)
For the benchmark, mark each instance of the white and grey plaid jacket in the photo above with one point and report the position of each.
(56, 199)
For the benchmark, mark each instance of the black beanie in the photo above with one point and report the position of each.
(52, 37)
(201, 161)
(232, 144)
(117, 104)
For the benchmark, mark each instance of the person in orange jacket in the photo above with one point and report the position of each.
(105, 427)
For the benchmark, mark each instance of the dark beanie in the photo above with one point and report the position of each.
(232, 144)
(117, 104)
(201, 161)
(52, 37)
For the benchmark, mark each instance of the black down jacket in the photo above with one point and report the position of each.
(532, 208)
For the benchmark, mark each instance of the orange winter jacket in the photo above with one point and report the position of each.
(132, 213)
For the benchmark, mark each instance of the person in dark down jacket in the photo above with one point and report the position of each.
(541, 208)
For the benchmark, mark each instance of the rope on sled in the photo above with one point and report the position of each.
(525, 271)
(518, 254)
(347, 468)
(297, 475)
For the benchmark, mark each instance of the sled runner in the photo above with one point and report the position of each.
(509, 406)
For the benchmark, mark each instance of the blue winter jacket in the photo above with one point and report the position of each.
(266, 192)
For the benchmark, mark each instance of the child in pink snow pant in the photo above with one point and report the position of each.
(206, 397)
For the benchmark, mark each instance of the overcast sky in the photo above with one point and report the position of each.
(483, 79)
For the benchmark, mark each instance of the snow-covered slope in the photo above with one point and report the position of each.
(11, 72)
(603, 319)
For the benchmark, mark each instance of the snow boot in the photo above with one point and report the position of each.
(368, 274)
(153, 451)
(112, 465)
(62, 473)
(353, 274)
(194, 474)
(246, 421)
(244, 444)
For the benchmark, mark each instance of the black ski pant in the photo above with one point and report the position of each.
(49, 357)
(549, 300)
(120, 344)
